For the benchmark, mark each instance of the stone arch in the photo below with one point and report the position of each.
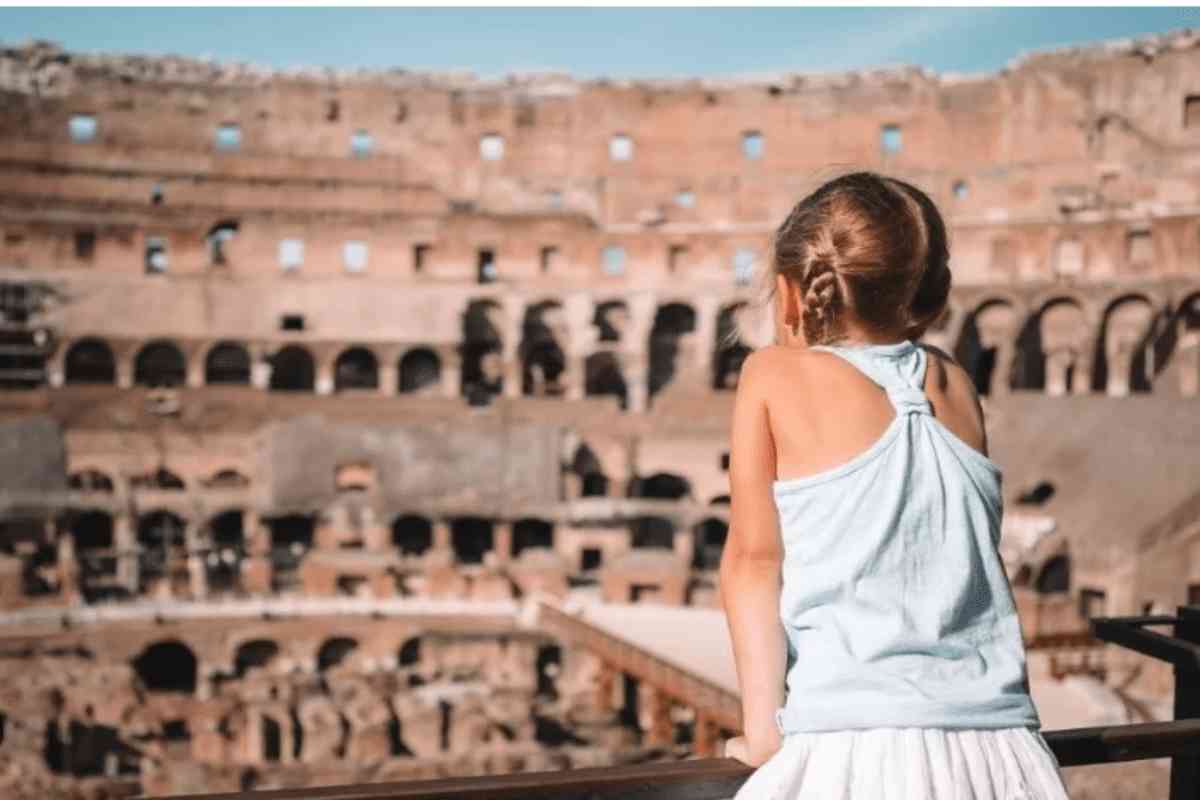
(158, 479)
(710, 536)
(228, 478)
(729, 351)
(603, 376)
(1124, 353)
(90, 361)
(587, 470)
(334, 652)
(1054, 575)
(356, 368)
(985, 342)
(92, 532)
(254, 654)
(611, 319)
(543, 359)
(227, 364)
(672, 322)
(160, 363)
(482, 346)
(90, 480)
(226, 550)
(472, 538)
(1180, 344)
(420, 371)
(412, 534)
(167, 666)
(532, 533)
(1051, 350)
(161, 542)
(293, 370)
(409, 654)
(291, 538)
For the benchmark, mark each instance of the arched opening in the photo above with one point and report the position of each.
(1124, 350)
(217, 239)
(729, 351)
(412, 535)
(356, 368)
(420, 370)
(293, 370)
(90, 480)
(161, 548)
(710, 543)
(1055, 575)
(482, 373)
(223, 562)
(160, 364)
(161, 479)
(532, 533)
(1038, 495)
(611, 318)
(90, 361)
(662, 486)
(228, 363)
(549, 666)
(272, 739)
(93, 534)
(167, 667)
(979, 344)
(291, 539)
(471, 538)
(652, 533)
(671, 323)
(334, 652)
(589, 473)
(1048, 348)
(410, 652)
(603, 376)
(255, 654)
(541, 353)
(227, 479)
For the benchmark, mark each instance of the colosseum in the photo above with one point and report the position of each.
(365, 426)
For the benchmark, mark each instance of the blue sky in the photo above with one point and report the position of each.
(593, 42)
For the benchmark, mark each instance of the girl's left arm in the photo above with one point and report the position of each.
(750, 572)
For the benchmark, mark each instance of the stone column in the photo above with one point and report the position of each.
(194, 368)
(260, 368)
(125, 543)
(324, 382)
(1058, 363)
(389, 378)
(197, 574)
(654, 716)
(502, 540)
(1005, 353)
(124, 371)
(705, 336)
(705, 733)
(441, 535)
(68, 566)
(637, 384)
(451, 374)
(1189, 368)
(634, 351)
(606, 684)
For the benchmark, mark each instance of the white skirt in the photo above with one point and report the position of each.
(909, 764)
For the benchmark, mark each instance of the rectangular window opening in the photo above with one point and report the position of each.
(156, 255)
(890, 139)
(752, 145)
(1191, 111)
(486, 265)
(83, 127)
(85, 245)
(291, 254)
(354, 254)
(743, 266)
(291, 322)
(361, 144)
(676, 255)
(549, 259)
(229, 137)
(614, 260)
(421, 257)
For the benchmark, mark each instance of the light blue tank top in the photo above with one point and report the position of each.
(896, 606)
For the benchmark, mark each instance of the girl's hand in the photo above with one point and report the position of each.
(739, 748)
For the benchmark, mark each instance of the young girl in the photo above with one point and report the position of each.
(861, 574)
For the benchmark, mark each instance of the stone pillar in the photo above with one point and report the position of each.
(441, 535)
(705, 336)
(1005, 353)
(260, 368)
(68, 566)
(125, 542)
(324, 382)
(634, 351)
(451, 374)
(1058, 365)
(705, 733)
(124, 371)
(654, 717)
(606, 685)
(194, 369)
(637, 386)
(502, 540)
(512, 376)
(1189, 368)
(389, 378)
(684, 542)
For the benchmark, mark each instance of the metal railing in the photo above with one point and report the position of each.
(720, 778)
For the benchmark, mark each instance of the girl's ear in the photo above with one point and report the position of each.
(789, 302)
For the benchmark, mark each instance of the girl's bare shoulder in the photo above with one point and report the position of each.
(778, 364)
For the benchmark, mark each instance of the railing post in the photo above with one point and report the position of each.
(1185, 770)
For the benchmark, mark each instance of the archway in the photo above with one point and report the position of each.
(472, 538)
(412, 535)
(663, 486)
(168, 666)
(227, 363)
(710, 543)
(254, 654)
(356, 368)
(482, 376)
(223, 563)
(532, 533)
(589, 472)
(293, 370)
(1049, 349)
(603, 376)
(652, 533)
(981, 343)
(728, 352)
(420, 370)
(334, 652)
(90, 480)
(161, 543)
(160, 364)
(1054, 576)
(1124, 351)
(542, 357)
(90, 361)
(671, 323)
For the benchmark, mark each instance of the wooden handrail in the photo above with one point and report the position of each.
(714, 778)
